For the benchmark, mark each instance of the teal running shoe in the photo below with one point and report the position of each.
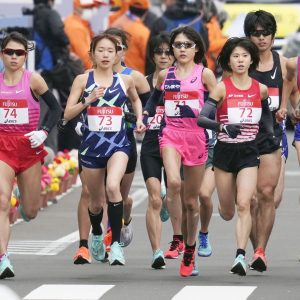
(164, 214)
(239, 266)
(98, 248)
(204, 249)
(158, 260)
(6, 269)
(116, 256)
(196, 269)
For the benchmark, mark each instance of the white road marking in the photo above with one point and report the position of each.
(292, 173)
(215, 292)
(68, 292)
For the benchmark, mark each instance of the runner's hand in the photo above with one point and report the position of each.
(186, 111)
(37, 137)
(140, 127)
(232, 130)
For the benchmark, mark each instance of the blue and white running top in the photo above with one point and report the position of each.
(105, 129)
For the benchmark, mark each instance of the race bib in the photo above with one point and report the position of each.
(274, 98)
(172, 99)
(243, 110)
(14, 112)
(154, 122)
(108, 119)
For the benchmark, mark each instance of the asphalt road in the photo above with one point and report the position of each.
(42, 253)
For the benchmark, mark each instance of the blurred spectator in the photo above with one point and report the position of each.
(179, 13)
(292, 47)
(78, 30)
(215, 35)
(132, 23)
(50, 28)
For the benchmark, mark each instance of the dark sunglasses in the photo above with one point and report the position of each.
(258, 33)
(160, 51)
(185, 45)
(120, 47)
(11, 52)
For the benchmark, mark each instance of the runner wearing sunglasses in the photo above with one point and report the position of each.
(181, 141)
(260, 27)
(21, 154)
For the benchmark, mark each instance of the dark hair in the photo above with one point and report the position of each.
(156, 41)
(230, 45)
(260, 17)
(137, 11)
(18, 38)
(96, 39)
(192, 35)
(119, 33)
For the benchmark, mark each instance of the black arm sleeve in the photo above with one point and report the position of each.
(266, 117)
(206, 113)
(151, 104)
(144, 98)
(54, 112)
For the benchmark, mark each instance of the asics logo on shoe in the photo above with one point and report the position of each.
(274, 74)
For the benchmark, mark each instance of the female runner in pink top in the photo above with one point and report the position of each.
(21, 140)
(181, 141)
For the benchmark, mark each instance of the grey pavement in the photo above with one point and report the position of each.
(42, 253)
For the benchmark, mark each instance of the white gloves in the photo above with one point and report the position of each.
(36, 138)
(79, 128)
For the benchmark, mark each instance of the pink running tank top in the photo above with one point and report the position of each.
(188, 91)
(19, 111)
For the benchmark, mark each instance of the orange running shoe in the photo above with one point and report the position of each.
(187, 263)
(176, 248)
(259, 260)
(107, 240)
(82, 256)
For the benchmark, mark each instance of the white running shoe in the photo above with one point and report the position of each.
(126, 234)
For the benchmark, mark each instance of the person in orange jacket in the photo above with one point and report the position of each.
(132, 23)
(78, 29)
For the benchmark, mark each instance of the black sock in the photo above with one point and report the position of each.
(126, 224)
(96, 222)
(178, 237)
(205, 233)
(115, 215)
(190, 247)
(240, 251)
(83, 243)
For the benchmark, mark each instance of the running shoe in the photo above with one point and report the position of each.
(176, 248)
(259, 261)
(126, 234)
(164, 214)
(116, 256)
(158, 261)
(187, 263)
(98, 249)
(6, 269)
(204, 248)
(239, 266)
(195, 269)
(107, 239)
(82, 256)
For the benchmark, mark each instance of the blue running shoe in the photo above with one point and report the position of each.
(158, 261)
(196, 269)
(164, 214)
(6, 269)
(98, 248)
(239, 266)
(204, 248)
(116, 256)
